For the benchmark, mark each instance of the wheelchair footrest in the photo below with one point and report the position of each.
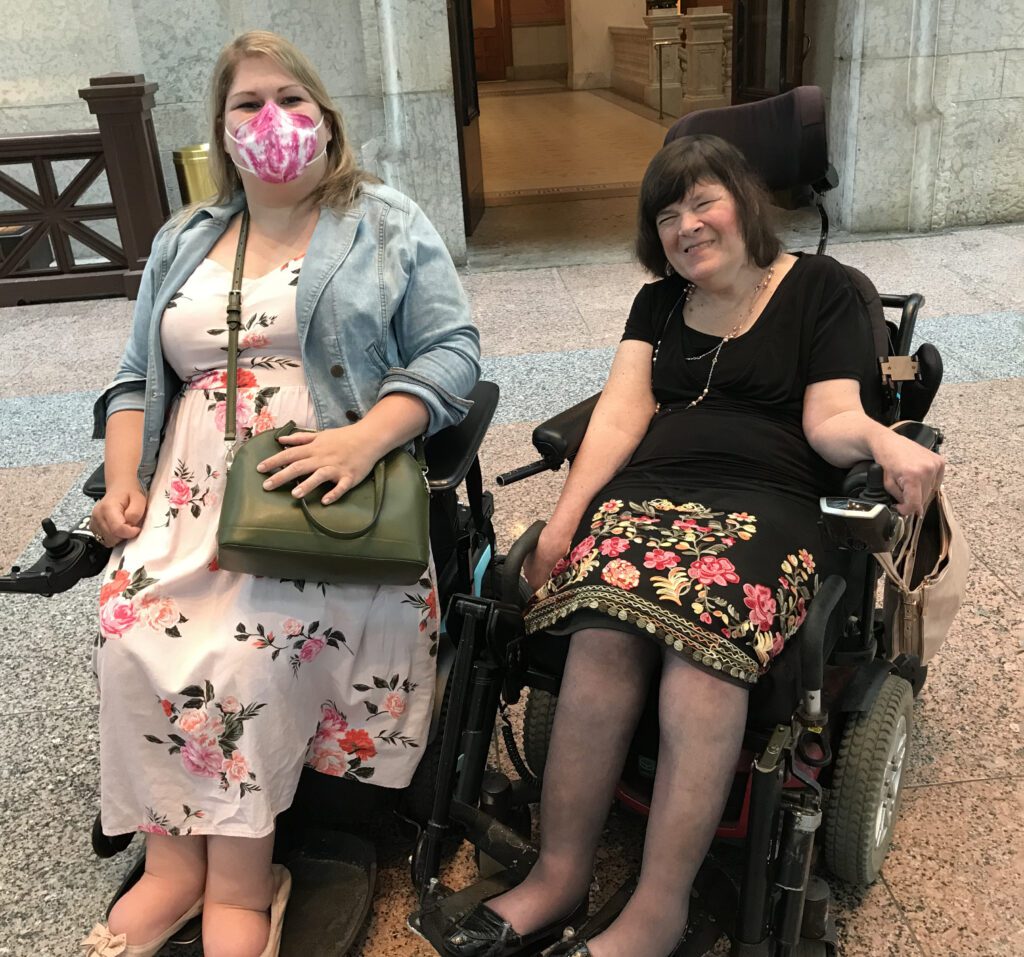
(333, 878)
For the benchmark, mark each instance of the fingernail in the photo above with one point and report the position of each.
(261, 467)
(267, 485)
(327, 500)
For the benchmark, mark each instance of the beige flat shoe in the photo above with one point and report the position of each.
(102, 943)
(282, 888)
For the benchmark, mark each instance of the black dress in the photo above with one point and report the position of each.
(707, 540)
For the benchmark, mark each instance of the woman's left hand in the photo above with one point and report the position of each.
(342, 457)
(913, 473)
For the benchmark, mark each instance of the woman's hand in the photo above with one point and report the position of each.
(342, 457)
(118, 515)
(551, 546)
(913, 474)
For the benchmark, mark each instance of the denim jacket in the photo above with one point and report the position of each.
(379, 305)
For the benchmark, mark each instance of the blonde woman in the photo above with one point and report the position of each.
(217, 687)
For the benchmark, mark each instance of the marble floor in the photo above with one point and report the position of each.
(550, 317)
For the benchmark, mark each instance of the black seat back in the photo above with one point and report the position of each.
(784, 138)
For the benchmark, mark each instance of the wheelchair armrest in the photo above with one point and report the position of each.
(96, 484)
(560, 437)
(856, 478)
(451, 452)
(512, 569)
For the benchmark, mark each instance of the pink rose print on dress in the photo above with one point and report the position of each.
(660, 559)
(263, 422)
(160, 614)
(244, 413)
(161, 824)
(118, 611)
(179, 494)
(612, 547)
(712, 570)
(187, 494)
(394, 704)
(621, 574)
(761, 604)
(206, 735)
(611, 506)
(235, 768)
(116, 617)
(338, 750)
(208, 381)
(426, 601)
(311, 648)
(254, 340)
(581, 550)
(560, 566)
(202, 760)
(303, 643)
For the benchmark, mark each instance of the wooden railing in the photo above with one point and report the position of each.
(39, 261)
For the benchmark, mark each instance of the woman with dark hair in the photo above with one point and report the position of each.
(686, 536)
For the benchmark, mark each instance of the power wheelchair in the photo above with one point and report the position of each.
(817, 786)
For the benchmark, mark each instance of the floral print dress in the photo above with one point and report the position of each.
(217, 687)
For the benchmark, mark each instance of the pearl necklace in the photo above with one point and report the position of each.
(715, 351)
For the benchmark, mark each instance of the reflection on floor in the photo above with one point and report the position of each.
(562, 146)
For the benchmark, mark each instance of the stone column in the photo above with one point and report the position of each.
(705, 59)
(926, 114)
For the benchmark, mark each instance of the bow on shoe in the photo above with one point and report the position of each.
(102, 943)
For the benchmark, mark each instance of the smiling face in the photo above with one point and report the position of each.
(701, 233)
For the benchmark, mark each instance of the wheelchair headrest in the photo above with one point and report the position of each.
(783, 137)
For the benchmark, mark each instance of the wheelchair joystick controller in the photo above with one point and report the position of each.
(58, 544)
(865, 522)
(67, 558)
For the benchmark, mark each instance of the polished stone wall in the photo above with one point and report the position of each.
(386, 63)
(927, 113)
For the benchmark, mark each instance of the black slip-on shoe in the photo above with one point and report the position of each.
(482, 933)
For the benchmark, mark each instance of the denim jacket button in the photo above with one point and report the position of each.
(352, 415)
(337, 371)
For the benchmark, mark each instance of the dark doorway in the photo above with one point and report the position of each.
(467, 111)
(768, 48)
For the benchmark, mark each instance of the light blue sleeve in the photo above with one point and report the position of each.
(438, 345)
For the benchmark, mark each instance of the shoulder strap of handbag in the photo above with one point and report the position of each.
(234, 324)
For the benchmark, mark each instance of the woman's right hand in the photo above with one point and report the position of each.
(118, 515)
(551, 546)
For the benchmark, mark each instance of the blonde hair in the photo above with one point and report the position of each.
(343, 177)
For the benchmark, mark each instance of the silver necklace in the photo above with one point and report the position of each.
(715, 351)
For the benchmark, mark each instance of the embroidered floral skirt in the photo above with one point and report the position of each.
(216, 687)
(722, 585)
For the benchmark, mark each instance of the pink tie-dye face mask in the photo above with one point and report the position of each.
(276, 145)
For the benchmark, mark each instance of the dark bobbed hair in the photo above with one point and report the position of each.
(681, 165)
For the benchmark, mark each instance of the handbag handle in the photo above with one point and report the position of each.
(234, 323)
(379, 475)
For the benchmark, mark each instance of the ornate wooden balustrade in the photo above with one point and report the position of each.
(62, 234)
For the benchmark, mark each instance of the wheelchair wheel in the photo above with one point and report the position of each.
(538, 720)
(867, 785)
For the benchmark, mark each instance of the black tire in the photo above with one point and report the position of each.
(538, 720)
(867, 785)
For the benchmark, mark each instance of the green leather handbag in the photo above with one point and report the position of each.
(376, 534)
